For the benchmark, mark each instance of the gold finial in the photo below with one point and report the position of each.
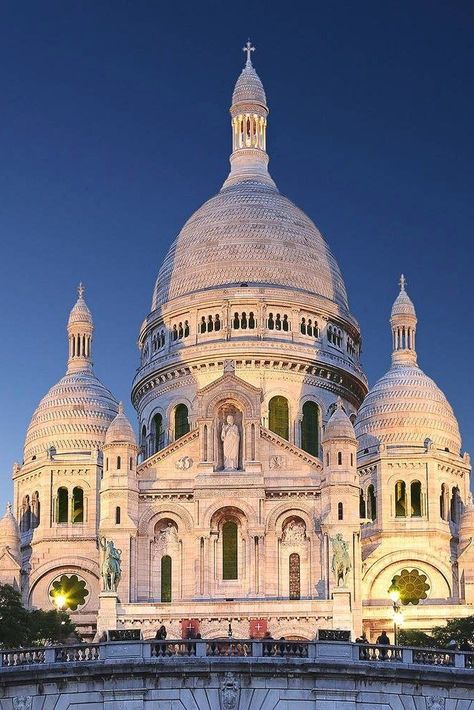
(80, 290)
(249, 49)
(402, 282)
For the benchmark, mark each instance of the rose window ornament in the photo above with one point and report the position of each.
(412, 585)
(68, 592)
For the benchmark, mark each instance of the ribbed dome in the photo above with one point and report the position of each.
(80, 312)
(403, 305)
(120, 430)
(73, 416)
(249, 88)
(339, 426)
(249, 233)
(405, 407)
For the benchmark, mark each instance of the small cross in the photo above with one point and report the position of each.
(190, 627)
(80, 290)
(258, 626)
(249, 49)
(403, 282)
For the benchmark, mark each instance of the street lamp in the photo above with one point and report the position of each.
(394, 594)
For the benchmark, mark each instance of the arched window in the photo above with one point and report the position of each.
(443, 512)
(117, 515)
(62, 505)
(454, 507)
(251, 320)
(119, 463)
(236, 321)
(186, 328)
(400, 499)
(415, 499)
(229, 550)
(278, 322)
(271, 322)
(243, 321)
(181, 421)
(158, 435)
(278, 417)
(339, 458)
(286, 325)
(26, 514)
(310, 428)
(371, 503)
(361, 505)
(303, 326)
(166, 566)
(217, 322)
(210, 324)
(294, 576)
(35, 510)
(340, 511)
(77, 505)
(202, 327)
(309, 329)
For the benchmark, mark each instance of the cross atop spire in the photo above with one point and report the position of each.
(249, 49)
(402, 282)
(80, 290)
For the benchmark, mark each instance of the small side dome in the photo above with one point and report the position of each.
(120, 430)
(339, 425)
(10, 532)
(80, 312)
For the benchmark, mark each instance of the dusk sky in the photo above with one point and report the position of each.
(114, 128)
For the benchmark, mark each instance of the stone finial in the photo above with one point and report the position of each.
(80, 290)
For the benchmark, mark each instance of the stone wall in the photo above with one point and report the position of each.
(143, 675)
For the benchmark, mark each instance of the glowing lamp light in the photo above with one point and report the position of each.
(394, 595)
(60, 601)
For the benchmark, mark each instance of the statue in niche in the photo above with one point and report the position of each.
(294, 533)
(230, 437)
(341, 561)
(167, 537)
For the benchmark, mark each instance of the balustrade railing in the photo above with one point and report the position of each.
(154, 650)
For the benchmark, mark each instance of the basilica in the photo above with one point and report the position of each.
(266, 489)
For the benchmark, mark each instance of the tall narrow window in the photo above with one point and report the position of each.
(229, 550)
(77, 505)
(442, 502)
(157, 433)
(294, 576)
(62, 505)
(340, 511)
(119, 463)
(339, 458)
(310, 428)
(371, 503)
(454, 507)
(181, 421)
(117, 515)
(166, 568)
(415, 499)
(400, 499)
(278, 417)
(361, 505)
(35, 510)
(26, 514)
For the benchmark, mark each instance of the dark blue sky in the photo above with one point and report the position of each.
(114, 128)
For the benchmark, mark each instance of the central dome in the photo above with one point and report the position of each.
(249, 234)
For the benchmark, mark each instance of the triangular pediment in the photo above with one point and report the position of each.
(277, 454)
(229, 387)
(7, 561)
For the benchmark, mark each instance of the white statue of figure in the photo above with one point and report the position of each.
(294, 533)
(230, 438)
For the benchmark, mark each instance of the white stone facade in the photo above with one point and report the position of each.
(309, 528)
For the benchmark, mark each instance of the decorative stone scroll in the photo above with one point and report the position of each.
(230, 692)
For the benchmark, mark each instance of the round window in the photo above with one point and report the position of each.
(68, 592)
(412, 585)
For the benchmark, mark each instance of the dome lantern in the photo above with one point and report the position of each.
(249, 111)
(403, 321)
(80, 328)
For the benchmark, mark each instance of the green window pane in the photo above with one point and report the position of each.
(77, 505)
(62, 506)
(229, 550)
(166, 578)
(310, 428)
(278, 419)
(181, 422)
